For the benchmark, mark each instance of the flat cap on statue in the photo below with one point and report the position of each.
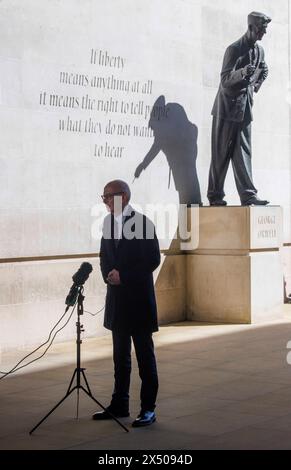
(255, 17)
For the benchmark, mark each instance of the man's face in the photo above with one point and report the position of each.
(259, 30)
(114, 198)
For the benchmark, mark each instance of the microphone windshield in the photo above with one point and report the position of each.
(81, 276)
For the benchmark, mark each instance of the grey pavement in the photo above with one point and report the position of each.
(221, 387)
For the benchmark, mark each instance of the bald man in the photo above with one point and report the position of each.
(128, 256)
(243, 72)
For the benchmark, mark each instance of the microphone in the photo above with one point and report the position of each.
(79, 278)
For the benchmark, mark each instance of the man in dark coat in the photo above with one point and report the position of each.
(243, 72)
(128, 256)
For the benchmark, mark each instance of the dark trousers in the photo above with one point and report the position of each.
(231, 141)
(144, 349)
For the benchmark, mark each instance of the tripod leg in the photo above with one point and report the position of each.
(89, 393)
(69, 387)
(78, 399)
(86, 381)
(98, 403)
(52, 410)
(69, 391)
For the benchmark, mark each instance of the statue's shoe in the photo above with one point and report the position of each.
(254, 201)
(218, 202)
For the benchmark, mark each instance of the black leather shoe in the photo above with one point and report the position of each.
(218, 202)
(102, 415)
(254, 201)
(145, 418)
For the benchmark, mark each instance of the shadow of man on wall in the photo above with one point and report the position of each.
(176, 136)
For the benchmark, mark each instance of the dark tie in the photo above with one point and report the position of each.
(253, 55)
(115, 233)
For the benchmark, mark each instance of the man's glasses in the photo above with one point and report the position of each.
(107, 196)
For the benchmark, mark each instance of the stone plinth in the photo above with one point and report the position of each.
(235, 272)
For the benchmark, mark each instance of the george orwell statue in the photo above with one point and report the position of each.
(243, 72)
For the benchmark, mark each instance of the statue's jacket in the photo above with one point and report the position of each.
(235, 94)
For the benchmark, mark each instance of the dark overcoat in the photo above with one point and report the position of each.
(130, 306)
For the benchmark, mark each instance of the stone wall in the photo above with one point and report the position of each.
(78, 82)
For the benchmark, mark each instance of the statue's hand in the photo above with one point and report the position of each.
(263, 75)
(248, 71)
(265, 70)
(138, 170)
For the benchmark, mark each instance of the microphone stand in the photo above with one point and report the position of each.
(78, 372)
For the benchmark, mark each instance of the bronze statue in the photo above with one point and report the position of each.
(243, 72)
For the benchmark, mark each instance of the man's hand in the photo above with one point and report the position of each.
(113, 278)
(248, 71)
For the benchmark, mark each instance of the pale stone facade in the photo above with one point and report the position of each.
(77, 84)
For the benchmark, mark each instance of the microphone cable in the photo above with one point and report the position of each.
(16, 368)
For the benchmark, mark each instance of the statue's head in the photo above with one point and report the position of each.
(257, 25)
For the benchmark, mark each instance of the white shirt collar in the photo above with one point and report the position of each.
(126, 211)
(118, 219)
